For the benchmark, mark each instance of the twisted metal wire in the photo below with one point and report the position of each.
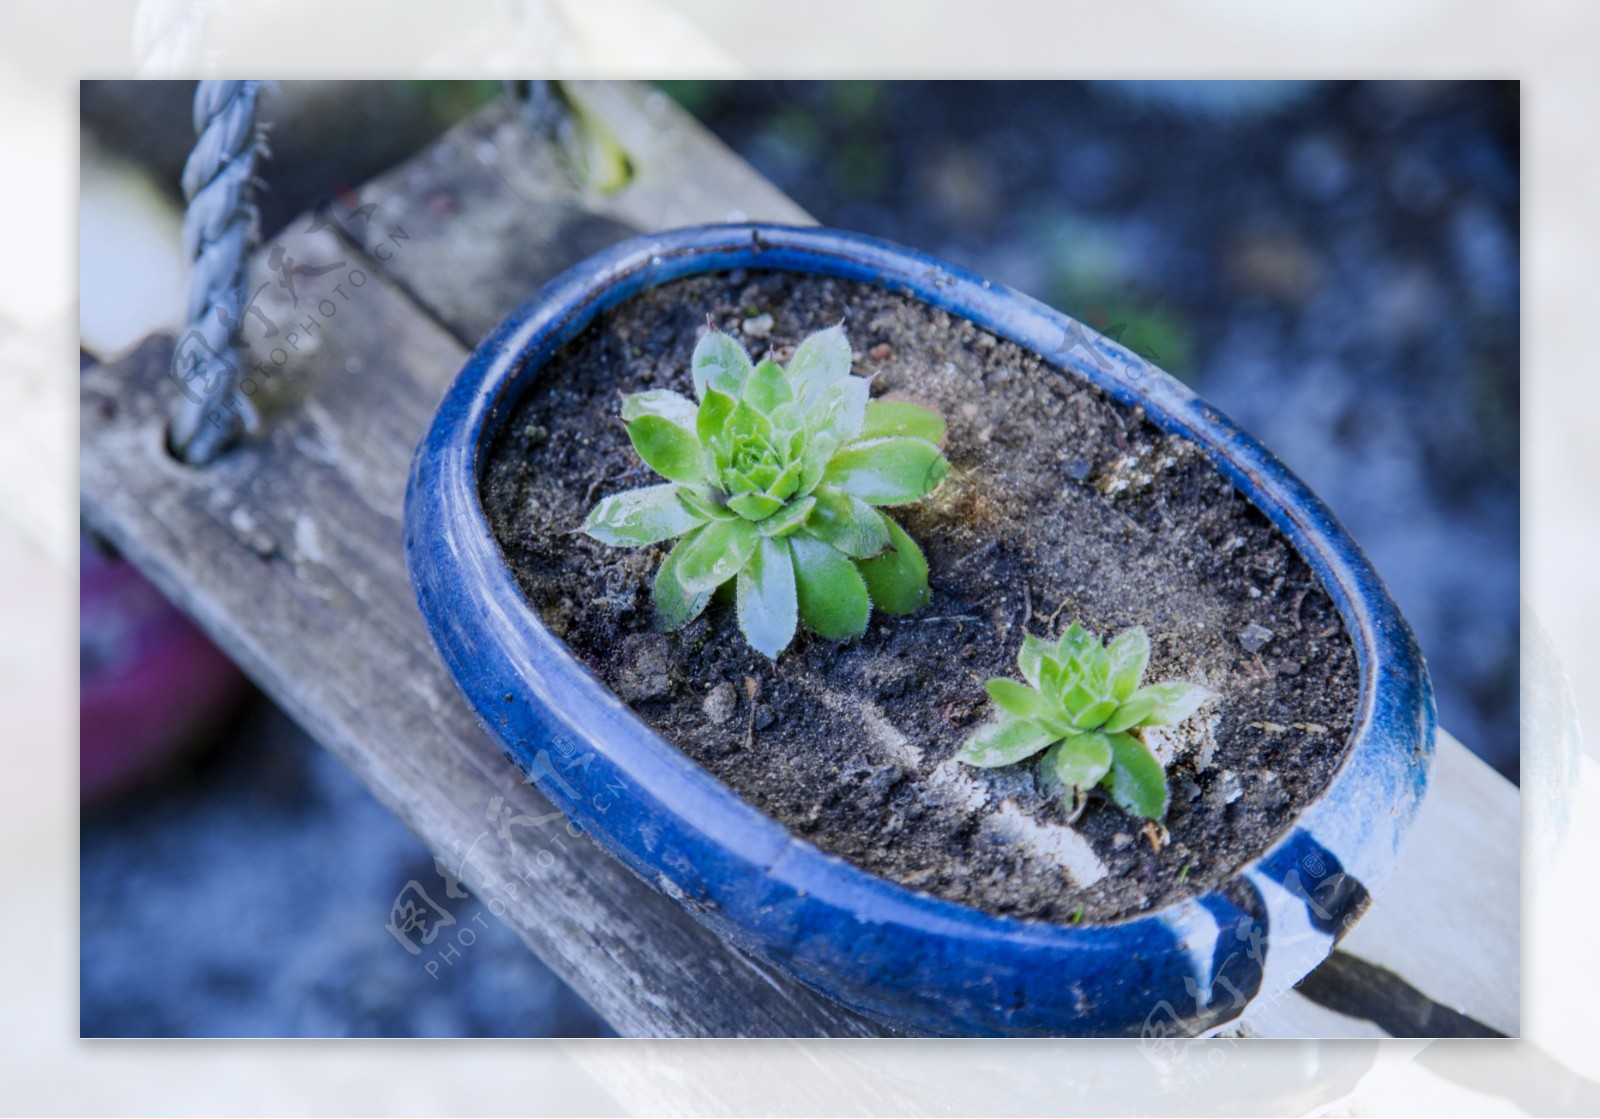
(219, 228)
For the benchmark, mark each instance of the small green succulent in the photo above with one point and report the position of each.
(1083, 700)
(773, 480)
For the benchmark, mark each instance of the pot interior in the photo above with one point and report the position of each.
(1063, 504)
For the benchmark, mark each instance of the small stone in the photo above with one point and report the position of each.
(758, 327)
(1078, 469)
(721, 702)
(1231, 786)
(1120, 840)
(881, 352)
(764, 717)
(1254, 637)
(882, 781)
(646, 667)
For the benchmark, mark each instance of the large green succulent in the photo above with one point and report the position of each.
(1084, 702)
(773, 480)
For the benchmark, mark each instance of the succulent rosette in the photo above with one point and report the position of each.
(1084, 705)
(776, 478)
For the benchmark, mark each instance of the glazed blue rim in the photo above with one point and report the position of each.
(919, 962)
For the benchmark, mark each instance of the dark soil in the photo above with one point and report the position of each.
(1062, 505)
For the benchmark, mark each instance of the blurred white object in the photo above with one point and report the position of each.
(130, 255)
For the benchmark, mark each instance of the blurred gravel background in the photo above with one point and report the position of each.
(1335, 265)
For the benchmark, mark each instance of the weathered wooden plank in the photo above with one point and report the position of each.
(289, 552)
(1450, 921)
(491, 212)
(296, 536)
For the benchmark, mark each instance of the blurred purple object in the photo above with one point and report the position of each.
(150, 684)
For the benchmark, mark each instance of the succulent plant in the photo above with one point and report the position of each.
(1083, 701)
(774, 479)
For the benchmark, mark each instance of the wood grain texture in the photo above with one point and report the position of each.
(288, 551)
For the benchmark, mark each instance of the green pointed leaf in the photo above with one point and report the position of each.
(668, 405)
(716, 553)
(1031, 657)
(839, 410)
(1017, 699)
(790, 519)
(705, 503)
(819, 361)
(719, 363)
(668, 449)
(766, 387)
(1053, 682)
(786, 484)
(885, 418)
(833, 596)
(1136, 780)
(898, 578)
(1128, 654)
(1160, 705)
(1081, 761)
(892, 471)
(848, 523)
(747, 423)
(1076, 644)
(712, 417)
(638, 517)
(1004, 742)
(766, 598)
(1132, 711)
(1092, 715)
(754, 506)
(675, 604)
(819, 450)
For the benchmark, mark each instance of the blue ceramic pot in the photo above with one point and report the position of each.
(916, 962)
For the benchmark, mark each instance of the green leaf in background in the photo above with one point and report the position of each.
(716, 553)
(676, 605)
(899, 417)
(819, 361)
(767, 601)
(1018, 699)
(848, 523)
(1129, 653)
(833, 596)
(719, 363)
(1005, 742)
(1136, 780)
(767, 387)
(898, 578)
(639, 517)
(892, 471)
(1081, 761)
(668, 449)
(664, 403)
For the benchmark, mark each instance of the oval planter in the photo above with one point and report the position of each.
(916, 962)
